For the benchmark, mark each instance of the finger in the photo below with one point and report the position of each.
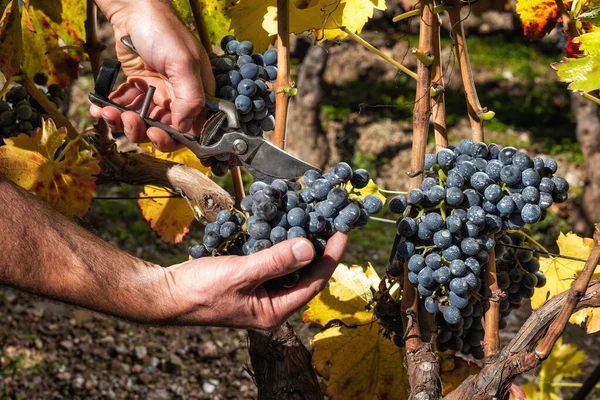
(313, 278)
(279, 260)
(189, 99)
(112, 116)
(134, 127)
(162, 141)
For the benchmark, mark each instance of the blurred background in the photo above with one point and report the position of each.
(353, 107)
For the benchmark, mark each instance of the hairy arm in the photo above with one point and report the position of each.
(44, 253)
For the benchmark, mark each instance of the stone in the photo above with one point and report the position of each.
(140, 352)
(145, 378)
(210, 386)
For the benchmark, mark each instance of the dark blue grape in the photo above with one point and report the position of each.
(452, 315)
(510, 174)
(270, 57)
(320, 189)
(505, 206)
(268, 123)
(259, 229)
(454, 196)
(416, 196)
(433, 261)
(466, 169)
(397, 204)
(426, 277)
(457, 301)
(476, 215)
(530, 194)
(271, 71)
(424, 291)
(521, 160)
(545, 201)
(296, 217)
(431, 305)
(413, 278)
(531, 213)
(211, 240)
(480, 164)
(228, 93)
(515, 221)
(517, 199)
(350, 213)
(480, 181)
(428, 183)
(360, 178)
(493, 169)
(247, 87)
(407, 227)
(372, 204)
(197, 250)
(493, 193)
(550, 166)
(343, 171)
(470, 246)
(442, 275)
(430, 161)
(442, 238)
(406, 249)
(445, 157)
(416, 263)
(546, 185)
(243, 104)
(453, 223)
(560, 184)
(473, 265)
(471, 198)
(296, 232)
(423, 233)
(530, 177)
(455, 180)
(458, 268)
(433, 221)
(506, 155)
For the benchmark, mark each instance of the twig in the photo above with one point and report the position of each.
(491, 298)
(591, 98)
(413, 13)
(238, 186)
(458, 35)
(49, 107)
(438, 105)
(201, 25)
(94, 48)
(575, 293)
(282, 99)
(588, 385)
(421, 360)
(378, 52)
(567, 21)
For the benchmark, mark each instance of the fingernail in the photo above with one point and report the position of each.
(127, 126)
(186, 125)
(303, 251)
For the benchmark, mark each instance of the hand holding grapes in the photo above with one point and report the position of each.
(172, 60)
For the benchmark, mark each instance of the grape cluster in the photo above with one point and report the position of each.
(283, 210)
(245, 78)
(517, 274)
(471, 197)
(19, 113)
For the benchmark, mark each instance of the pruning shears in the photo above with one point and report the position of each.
(262, 159)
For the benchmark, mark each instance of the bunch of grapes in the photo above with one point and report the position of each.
(19, 113)
(474, 198)
(283, 210)
(245, 78)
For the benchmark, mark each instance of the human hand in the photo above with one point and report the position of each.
(172, 60)
(229, 291)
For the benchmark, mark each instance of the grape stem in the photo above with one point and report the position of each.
(532, 240)
(392, 191)
(591, 98)
(378, 52)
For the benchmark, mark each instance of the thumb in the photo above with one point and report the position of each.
(185, 75)
(279, 260)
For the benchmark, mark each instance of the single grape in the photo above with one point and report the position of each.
(360, 178)
(372, 204)
(452, 315)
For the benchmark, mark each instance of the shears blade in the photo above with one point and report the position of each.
(268, 162)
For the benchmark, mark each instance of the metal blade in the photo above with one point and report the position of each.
(267, 162)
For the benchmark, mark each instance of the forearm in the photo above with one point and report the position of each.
(44, 253)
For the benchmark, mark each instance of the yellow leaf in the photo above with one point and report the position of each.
(371, 188)
(215, 15)
(537, 16)
(359, 363)
(256, 20)
(560, 272)
(345, 298)
(170, 218)
(325, 17)
(583, 72)
(66, 183)
(564, 362)
(590, 317)
(11, 43)
(56, 23)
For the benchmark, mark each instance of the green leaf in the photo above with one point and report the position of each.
(584, 72)
(592, 16)
(215, 14)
